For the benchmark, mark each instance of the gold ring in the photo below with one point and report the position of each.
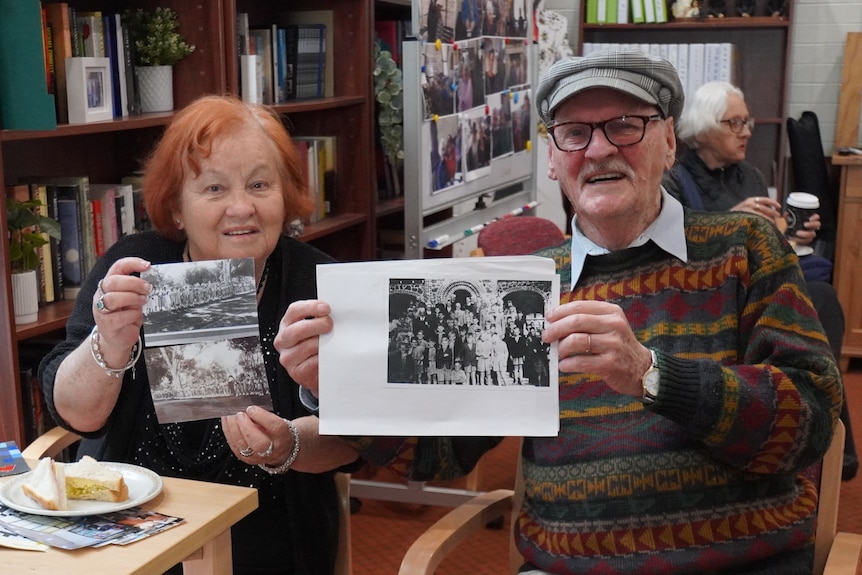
(100, 305)
(589, 344)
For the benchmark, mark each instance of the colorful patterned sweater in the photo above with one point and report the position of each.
(707, 478)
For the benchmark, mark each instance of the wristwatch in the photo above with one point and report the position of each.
(650, 381)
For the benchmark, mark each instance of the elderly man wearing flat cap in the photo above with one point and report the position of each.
(695, 379)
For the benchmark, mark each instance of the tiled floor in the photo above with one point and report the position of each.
(383, 531)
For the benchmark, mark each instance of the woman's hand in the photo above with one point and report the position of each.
(806, 236)
(118, 309)
(258, 436)
(761, 206)
(595, 337)
(297, 341)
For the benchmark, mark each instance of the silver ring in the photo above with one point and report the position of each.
(589, 344)
(268, 451)
(100, 305)
(99, 287)
(757, 201)
(247, 452)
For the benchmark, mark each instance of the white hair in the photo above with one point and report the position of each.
(704, 110)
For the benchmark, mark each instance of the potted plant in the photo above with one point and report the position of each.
(27, 229)
(389, 93)
(156, 46)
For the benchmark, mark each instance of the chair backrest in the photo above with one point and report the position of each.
(54, 441)
(519, 236)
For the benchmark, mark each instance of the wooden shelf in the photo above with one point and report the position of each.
(391, 206)
(106, 151)
(52, 317)
(713, 23)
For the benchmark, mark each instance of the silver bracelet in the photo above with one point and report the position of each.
(290, 458)
(96, 352)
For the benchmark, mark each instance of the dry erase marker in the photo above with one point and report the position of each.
(437, 242)
(473, 230)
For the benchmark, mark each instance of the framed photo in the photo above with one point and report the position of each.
(88, 88)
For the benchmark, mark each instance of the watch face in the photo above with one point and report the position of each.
(650, 381)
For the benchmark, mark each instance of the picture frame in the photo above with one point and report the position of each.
(88, 90)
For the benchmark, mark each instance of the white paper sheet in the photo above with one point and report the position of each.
(355, 397)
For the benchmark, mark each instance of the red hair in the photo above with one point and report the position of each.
(189, 139)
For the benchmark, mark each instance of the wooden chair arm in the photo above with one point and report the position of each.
(844, 554)
(431, 548)
(50, 443)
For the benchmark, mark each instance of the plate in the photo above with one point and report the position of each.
(803, 250)
(143, 485)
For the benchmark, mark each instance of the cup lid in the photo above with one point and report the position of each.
(803, 200)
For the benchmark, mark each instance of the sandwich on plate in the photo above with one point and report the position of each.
(47, 485)
(89, 479)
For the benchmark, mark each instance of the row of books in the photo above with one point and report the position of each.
(626, 11)
(696, 63)
(92, 218)
(288, 60)
(317, 156)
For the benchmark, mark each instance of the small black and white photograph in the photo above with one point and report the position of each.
(439, 346)
(439, 82)
(200, 301)
(468, 333)
(202, 341)
(207, 379)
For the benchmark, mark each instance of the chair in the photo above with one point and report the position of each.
(517, 236)
(54, 441)
(834, 553)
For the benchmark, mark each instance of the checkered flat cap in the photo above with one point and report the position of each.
(648, 78)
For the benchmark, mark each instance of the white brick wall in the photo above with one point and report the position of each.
(817, 55)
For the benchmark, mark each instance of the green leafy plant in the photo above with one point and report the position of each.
(389, 92)
(156, 37)
(26, 229)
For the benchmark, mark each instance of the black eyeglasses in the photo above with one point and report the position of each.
(621, 132)
(736, 124)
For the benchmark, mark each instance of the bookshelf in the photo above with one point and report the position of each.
(762, 65)
(106, 151)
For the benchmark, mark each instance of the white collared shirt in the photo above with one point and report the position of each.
(667, 231)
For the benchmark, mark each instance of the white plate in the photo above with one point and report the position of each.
(143, 485)
(803, 250)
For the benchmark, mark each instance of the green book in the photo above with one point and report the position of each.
(25, 101)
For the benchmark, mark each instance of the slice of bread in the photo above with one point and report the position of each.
(89, 479)
(46, 484)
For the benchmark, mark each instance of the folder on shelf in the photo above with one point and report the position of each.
(25, 101)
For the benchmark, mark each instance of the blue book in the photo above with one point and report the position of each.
(70, 245)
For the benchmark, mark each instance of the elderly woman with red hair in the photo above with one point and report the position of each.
(222, 183)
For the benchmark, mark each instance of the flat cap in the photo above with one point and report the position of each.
(648, 78)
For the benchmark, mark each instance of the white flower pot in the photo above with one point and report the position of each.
(25, 296)
(156, 88)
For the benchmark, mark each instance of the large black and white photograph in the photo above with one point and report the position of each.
(439, 347)
(202, 342)
(462, 333)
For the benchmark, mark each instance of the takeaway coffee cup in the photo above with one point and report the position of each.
(800, 207)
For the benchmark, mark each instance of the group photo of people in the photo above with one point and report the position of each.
(487, 332)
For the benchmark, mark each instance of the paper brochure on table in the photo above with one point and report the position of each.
(439, 347)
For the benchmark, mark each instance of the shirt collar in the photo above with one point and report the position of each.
(667, 231)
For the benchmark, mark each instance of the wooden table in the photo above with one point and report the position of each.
(202, 542)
